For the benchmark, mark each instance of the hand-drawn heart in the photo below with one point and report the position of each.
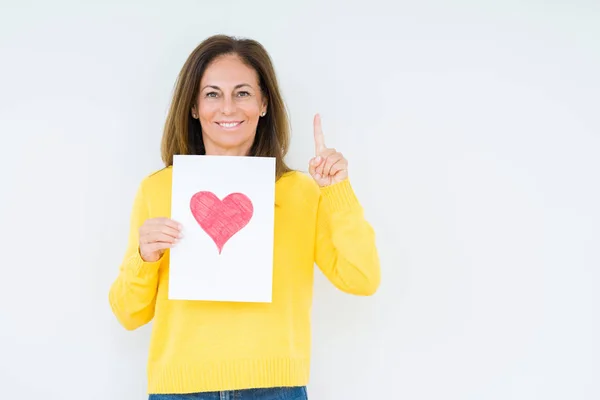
(221, 219)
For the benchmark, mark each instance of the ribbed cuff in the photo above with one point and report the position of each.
(141, 268)
(340, 196)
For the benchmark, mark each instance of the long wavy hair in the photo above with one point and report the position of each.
(183, 133)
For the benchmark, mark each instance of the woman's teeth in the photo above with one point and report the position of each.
(229, 124)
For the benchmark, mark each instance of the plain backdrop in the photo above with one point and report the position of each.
(472, 132)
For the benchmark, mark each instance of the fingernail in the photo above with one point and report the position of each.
(318, 176)
(318, 159)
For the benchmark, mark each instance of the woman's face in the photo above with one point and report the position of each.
(229, 105)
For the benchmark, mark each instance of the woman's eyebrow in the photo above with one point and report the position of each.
(236, 86)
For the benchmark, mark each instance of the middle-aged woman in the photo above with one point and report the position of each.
(227, 102)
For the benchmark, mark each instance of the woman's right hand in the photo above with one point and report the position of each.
(156, 235)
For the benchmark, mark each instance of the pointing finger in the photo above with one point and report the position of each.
(319, 137)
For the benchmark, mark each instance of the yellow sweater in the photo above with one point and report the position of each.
(209, 346)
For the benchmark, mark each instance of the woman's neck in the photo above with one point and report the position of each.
(213, 150)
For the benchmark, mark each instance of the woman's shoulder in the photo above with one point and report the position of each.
(298, 184)
(300, 179)
(157, 179)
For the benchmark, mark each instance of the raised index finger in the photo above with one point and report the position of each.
(319, 138)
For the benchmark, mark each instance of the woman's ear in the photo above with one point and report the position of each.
(264, 109)
(194, 112)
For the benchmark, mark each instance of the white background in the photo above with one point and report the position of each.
(472, 130)
(243, 270)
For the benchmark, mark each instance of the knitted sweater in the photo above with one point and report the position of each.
(201, 346)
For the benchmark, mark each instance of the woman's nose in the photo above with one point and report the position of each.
(228, 105)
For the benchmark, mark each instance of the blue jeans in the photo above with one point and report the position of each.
(284, 393)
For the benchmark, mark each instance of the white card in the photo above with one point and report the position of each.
(226, 205)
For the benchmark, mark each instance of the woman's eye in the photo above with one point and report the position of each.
(239, 94)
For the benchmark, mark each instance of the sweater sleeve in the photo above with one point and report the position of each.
(132, 295)
(345, 248)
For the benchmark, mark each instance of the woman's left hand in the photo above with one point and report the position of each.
(328, 166)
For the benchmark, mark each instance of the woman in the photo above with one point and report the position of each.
(227, 102)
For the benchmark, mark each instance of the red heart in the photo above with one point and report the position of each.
(221, 219)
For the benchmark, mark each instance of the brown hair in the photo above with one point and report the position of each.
(183, 134)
